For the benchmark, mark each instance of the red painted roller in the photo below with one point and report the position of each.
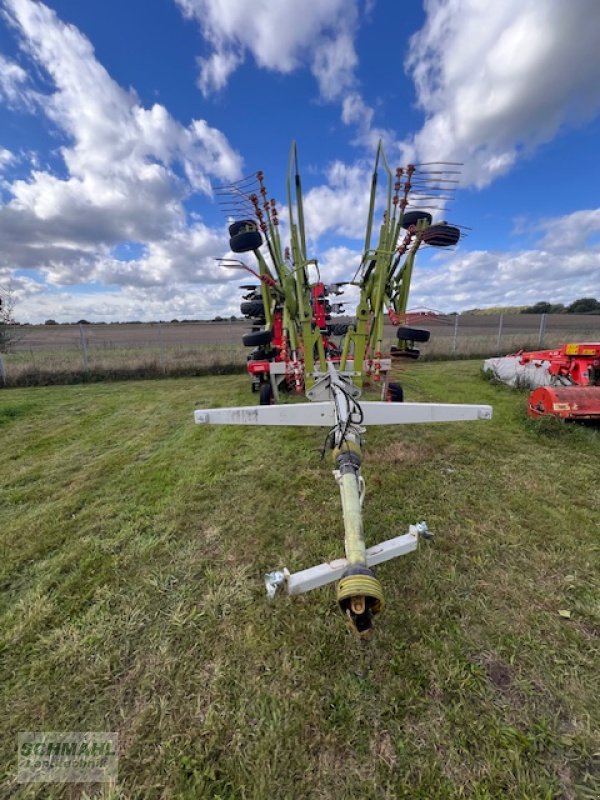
(567, 402)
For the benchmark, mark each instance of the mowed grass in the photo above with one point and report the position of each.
(133, 547)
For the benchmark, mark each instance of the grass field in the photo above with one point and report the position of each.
(133, 545)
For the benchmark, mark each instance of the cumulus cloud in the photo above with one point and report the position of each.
(280, 37)
(341, 204)
(575, 230)
(120, 160)
(13, 79)
(497, 79)
(6, 158)
(563, 265)
(559, 268)
(520, 278)
(139, 303)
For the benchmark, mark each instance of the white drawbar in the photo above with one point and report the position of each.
(323, 414)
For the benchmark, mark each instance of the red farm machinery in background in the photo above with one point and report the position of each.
(574, 389)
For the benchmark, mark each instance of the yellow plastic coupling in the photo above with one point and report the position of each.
(367, 586)
(360, 597)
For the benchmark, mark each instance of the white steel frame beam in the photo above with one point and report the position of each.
(323, 414)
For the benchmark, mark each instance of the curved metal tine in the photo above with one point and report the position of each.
(437, 175)
(231, 263)
(235, 194)
(432, 174)
(427, 181)
(248, 179)
(229, 208)
(418, 198)
(426, 188)
(237, 203)
(233, 199)
(440, 164)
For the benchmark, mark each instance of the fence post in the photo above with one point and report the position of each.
(500, 324)
(2, 371)
(161, 339)
(84, 350)
(455, 334)
(542, 330)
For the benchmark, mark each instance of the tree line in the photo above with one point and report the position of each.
(585, 305)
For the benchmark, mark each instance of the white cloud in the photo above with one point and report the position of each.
(6, 158)
(12, 80)
(215, 70)
(342, 204)
(333, 64)
(339, 264)
(495, 79)
(285, 36)
(121, 160)
(571, 230)
(560, 269)
(139, 303)
(280, 36)
(521, 278)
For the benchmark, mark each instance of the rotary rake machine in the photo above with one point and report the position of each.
(297, 348)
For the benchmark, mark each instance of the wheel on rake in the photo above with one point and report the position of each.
(252, 308)
(414, 217)
(441, 235)
(405, 352)
(394, 393)
(256, 338)
(266, 397)
(413, 334)
(339, 329)
(245, 241)
(240, 225)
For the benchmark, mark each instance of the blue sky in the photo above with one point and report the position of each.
(118, 121)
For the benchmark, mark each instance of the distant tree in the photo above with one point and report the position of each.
(82, 322)
(538, 308)
(173, 321)
(585, 305)
(8, 326)
(233, 318)
(544, 308)
(218, 319)
(50, 322)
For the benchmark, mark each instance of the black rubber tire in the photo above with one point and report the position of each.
(256, 338)
(413, 217)
(266, 394)
(244, 242)
(258, 355)
(394, 393)
(339, 329)
(406, 352)
(236, 227)
(413, 334)
(441, 235)
(252, 308)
